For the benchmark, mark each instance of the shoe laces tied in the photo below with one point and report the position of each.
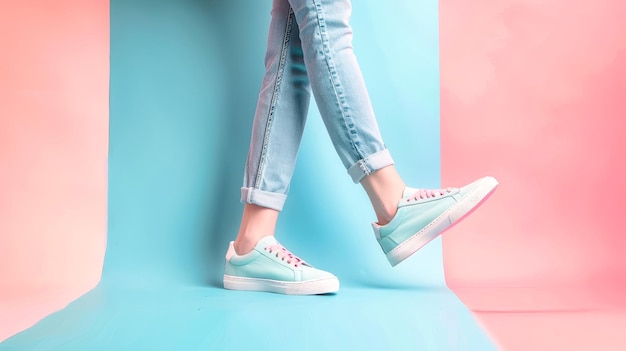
(428, 193)
(284, 254)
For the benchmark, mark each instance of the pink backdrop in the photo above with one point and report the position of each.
(533, 92)
(53, 154)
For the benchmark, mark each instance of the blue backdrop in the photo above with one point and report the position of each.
(184, 83)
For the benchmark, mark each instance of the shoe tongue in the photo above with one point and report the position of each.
(265, 241)
(408, 192)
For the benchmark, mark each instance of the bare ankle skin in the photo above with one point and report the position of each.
(384, 188)
(256, 223)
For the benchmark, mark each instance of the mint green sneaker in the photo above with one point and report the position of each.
(425, 214)
(270, 267)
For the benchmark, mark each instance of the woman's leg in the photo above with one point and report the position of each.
(256, 261)
(407, 218)
(338, 85)
(344, 103)
(277, 129)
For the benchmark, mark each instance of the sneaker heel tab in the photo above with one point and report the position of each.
(231, 250)
(376, 228)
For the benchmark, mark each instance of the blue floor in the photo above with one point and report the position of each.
(209, 318)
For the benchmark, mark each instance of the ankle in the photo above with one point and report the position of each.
(384, 214)
(242, 247)
(384, 189)
(244, 244)
(256, 223)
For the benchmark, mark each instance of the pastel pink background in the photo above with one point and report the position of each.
(533, 92)
(53, 155)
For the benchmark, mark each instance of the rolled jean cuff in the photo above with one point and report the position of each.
(370, 164)
(262, 198)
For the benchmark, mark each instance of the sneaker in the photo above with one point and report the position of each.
(272, 268)
(425, 214)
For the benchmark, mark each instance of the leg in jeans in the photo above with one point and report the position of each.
(344, 103)
(277, 129)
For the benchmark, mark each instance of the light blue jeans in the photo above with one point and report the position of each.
(309, 49)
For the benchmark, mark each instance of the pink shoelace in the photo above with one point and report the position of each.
(284, 254)
(428, 193)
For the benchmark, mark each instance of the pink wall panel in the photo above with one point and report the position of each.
(533, 92)
(53, 154)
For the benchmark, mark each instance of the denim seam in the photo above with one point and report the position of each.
(364, 167)
(343, 108)
(277, 85)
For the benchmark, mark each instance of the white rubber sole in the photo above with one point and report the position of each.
(312, 287)
(445, 221)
